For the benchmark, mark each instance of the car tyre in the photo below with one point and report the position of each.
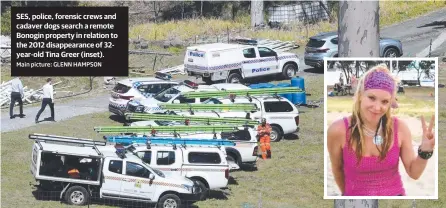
(391, 52)
(203, 190)
(77, 195)
(235, 78)
(289, 71)
(169, 201)
(276, 134)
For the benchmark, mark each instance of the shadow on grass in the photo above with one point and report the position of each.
(315, 70)
(291, 137)
(119, 119)
(43, 195)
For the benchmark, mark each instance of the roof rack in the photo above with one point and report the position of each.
(187, 119)
(246, 92)
(64, 139)
(210, 107)
(152, 130)
(166, 141)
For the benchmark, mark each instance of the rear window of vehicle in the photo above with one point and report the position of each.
(241, 135)
(204, 157)
(278, 106)
(120, 88)
(316, 43)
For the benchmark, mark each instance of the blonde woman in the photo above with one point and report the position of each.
(366, 147)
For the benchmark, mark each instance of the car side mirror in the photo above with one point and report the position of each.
(176, 101)
(151, 176)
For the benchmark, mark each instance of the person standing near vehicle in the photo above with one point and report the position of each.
(264, 131)
(16, 96)
(48, 99)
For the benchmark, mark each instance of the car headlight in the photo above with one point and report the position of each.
(187, 187)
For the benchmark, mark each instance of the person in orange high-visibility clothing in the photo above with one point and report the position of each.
(263, 132)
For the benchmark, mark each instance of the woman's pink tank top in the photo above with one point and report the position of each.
(372, 177)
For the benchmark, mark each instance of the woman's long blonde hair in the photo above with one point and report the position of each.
(357, 124)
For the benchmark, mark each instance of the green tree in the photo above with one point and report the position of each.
(6, 22)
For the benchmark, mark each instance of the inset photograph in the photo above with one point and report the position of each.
(381, 132)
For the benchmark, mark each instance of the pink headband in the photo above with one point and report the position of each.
(379, 80)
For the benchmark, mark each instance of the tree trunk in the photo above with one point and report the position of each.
(256, 13)
(358, 30)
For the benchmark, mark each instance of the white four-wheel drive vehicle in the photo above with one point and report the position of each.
(243, 153)
(205, 165)
(137, 88)
(279, 112)
(234, 62)
(79, 170)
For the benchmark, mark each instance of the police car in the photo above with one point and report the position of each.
(137, 88)
(175, 95)
(235, 62)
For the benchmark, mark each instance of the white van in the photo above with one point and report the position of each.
(234, 62)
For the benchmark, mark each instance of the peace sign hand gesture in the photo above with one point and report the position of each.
(428, 140)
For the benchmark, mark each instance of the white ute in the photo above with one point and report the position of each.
(206, 165)
(279, 112)
(234, 62)
(243, 153)
(112, 175)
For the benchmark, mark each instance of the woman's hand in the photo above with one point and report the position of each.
(428, 140)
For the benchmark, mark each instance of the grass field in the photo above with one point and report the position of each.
(295, 170)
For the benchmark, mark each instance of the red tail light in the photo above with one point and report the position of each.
(255, 151)
(227, 173)
(296, 119)
(125, 97)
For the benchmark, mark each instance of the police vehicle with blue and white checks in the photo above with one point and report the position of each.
(235, 62)
(175, 95)
(137, 88)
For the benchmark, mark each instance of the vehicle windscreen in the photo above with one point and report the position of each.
(158, 172)
(120, 88)
(166, 95)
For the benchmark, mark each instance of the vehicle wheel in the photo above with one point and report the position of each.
(391, 52)
(276, 134)
(203, 190)
(77, 195)
(207, 80)
(289, 71)
(235, 78)
(169, 201)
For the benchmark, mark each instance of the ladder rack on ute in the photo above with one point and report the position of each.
(165, 129)
(163, 141)
(211, 107)
(64, 139)
(247, 92)
(198, 119)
